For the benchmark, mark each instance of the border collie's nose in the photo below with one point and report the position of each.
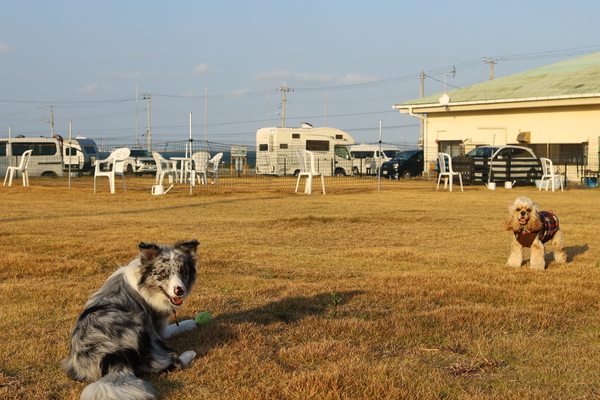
(179, 291)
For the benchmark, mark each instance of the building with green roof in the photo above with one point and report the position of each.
(554, 110)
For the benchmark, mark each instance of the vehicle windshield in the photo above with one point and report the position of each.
(404, 155)
(342, 151)
(140, 153)
(390, 153)
(482, 152)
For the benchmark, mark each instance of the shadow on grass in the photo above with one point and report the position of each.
(291, 309)
(574, 251)
(221, 332)
(288, 310)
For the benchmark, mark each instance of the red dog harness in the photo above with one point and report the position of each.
(549, 228)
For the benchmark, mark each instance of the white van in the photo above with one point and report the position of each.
(80, 154)
(367, 158)
(276, 150)
(46, 159)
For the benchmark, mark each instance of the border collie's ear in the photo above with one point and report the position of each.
(148, 251)
(188, 247)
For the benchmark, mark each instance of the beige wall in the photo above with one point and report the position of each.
(571, 124)
(556, 125)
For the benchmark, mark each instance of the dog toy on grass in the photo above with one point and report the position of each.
(203, 318)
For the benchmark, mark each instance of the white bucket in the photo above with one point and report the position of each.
(508, 185)
(158, 189)
(491, 185)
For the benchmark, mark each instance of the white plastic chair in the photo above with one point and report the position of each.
(214, 170)
(114, 166)
(164, 168)
(446, 171)
(308, 170)
(549, 175)
(200, 165)
(10, 171)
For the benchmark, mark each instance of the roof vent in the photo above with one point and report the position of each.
(524, 137)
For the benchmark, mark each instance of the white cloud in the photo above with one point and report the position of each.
(206, 69)
(353, 79)
(4, 48)
(91, 88)
(295, 77)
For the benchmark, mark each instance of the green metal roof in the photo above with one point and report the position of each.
(579, 77)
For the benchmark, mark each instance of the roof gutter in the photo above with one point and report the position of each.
(423, 118)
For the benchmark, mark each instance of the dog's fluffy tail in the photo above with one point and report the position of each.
(119, 387)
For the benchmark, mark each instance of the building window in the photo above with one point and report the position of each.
(561, 153)
(453, 147)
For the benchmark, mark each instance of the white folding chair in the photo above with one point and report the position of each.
(549, 176)
(114, 166)
(200, 165)
(308, 170)
(446, 171)
(10, 171)
(164, 168)
(214, 170)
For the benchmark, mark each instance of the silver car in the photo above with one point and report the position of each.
(140, 161)
(505, 164)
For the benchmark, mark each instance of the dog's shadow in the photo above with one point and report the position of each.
(288, 310)
(574, 251)
(221, 330)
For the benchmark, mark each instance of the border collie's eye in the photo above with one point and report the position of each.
(183, 272)
(163, 275)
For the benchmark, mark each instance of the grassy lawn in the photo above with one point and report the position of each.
(397, 294)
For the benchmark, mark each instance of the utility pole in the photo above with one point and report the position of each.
(285, 90)
(325, 109)
(148, 96)
(492, 63)
(51, 121)
(137, 96)
(422, 94)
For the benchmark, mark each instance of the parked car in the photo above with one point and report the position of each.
(405, 164)
(140, 161)
(505, 164)
(366, 158)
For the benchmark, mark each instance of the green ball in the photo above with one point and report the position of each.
(203, 318)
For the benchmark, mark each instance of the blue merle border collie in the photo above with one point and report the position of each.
(122, 330)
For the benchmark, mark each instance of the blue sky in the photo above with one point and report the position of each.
(348, 62)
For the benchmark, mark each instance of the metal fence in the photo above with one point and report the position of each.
(238, 173)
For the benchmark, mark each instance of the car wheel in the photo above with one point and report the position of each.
(129, 170)
(406, 175)
(340, 172)
(355, 170)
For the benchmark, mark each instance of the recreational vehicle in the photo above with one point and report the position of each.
(276, 150)
(80, 154)
(46, 159)
(367, 158)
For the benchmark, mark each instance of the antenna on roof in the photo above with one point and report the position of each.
(492, 63)
(453, 73)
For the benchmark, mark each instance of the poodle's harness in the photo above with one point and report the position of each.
(549, 228)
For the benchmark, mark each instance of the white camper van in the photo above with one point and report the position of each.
(46, 159)
(80, 154)
(367, 158)
(276, 150)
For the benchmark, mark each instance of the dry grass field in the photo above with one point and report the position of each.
(397, 294)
